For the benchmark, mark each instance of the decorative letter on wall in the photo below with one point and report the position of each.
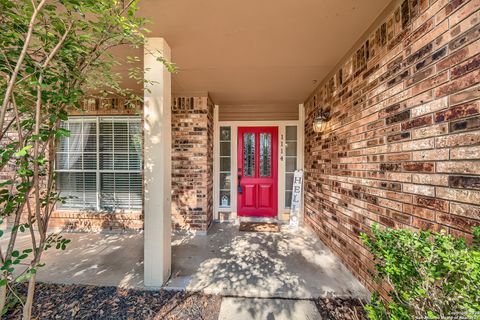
(296, 199)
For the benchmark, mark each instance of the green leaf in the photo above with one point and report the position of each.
(62, 133)
(22, 152)
(5, 183)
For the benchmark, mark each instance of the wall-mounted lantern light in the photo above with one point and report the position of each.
(321, 119)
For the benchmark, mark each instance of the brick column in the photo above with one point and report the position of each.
(157, 166)
(192, 163)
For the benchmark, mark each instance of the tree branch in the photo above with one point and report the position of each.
(23, 53)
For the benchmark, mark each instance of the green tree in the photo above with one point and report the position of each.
(53, 54)
(432, 275)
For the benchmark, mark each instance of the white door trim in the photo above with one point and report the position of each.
(233, 152)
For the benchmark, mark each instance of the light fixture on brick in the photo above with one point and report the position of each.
(321, 118)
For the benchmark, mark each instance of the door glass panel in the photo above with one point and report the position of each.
(291, 149)
(248, 154)
(225, 199)
(289, 181)
(265, 154)
(224, 133)
(291, 133)
(288, 199)
(225, 181)
(225, 148)
(225, 164)
(291, 164)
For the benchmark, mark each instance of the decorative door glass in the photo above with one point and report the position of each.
(265, 154)
(249, 154)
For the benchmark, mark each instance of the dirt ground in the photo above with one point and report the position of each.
(91, 302)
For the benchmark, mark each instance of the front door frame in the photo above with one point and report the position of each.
(281, 124)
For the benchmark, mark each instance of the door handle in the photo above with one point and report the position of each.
(239, 185)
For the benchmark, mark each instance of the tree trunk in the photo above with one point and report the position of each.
(27, 308)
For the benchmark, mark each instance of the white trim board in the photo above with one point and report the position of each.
(233, 152)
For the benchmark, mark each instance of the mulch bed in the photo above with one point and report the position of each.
(91, 302)
(54, 301)
(341, 309)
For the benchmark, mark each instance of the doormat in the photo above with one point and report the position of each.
(259, 227)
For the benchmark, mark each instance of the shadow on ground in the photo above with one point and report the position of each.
(289, 264)
(285, 265)
(93, 259)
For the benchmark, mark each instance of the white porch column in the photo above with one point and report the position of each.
(157, 165)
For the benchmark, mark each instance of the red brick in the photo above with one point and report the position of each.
(465, 95)
(467, 124)
(417, 122)
(432, 203)
(458, 112)
(466, 210)
(419, 166)
(458, 84)
(465, 182)
(457, 222)
(466, 67)
(430, 83)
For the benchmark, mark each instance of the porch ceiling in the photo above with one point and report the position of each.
(258, 52)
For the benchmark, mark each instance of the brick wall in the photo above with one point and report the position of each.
(402, 147)
(192, 163)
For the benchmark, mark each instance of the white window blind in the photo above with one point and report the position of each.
(99, 165)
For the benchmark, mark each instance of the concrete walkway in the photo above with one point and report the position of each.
(267, 309)
(227, 262)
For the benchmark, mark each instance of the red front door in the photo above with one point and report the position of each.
(257, 171)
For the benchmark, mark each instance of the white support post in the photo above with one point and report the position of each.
(157, 165)
(216, 164)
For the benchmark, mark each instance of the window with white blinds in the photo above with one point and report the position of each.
(99, 166)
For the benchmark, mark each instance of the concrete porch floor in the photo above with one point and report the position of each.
(289, 264)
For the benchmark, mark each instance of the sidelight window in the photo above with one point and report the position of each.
(290, 162)
(225, 166)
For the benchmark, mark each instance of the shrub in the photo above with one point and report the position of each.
(54, 54)
(432, 275)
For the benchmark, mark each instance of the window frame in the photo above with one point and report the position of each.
(287, 157)
(98, 172)
(220, 172)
